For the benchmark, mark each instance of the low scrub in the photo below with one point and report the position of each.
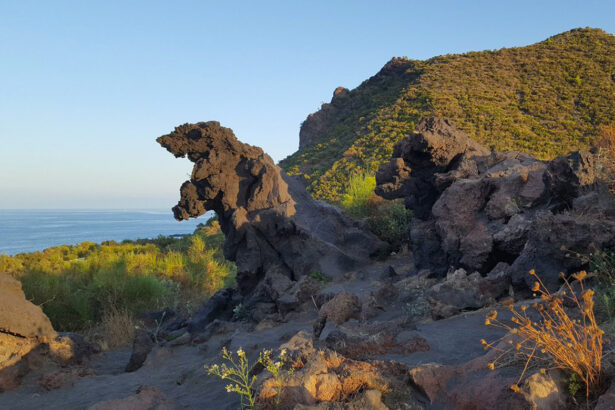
(116, 329)
(359, 190)
(80, 286)
(239, 374)
(389, 220)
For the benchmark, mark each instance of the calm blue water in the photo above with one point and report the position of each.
(34, 230)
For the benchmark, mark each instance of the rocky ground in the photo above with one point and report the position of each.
(361, 332)
(379, 348)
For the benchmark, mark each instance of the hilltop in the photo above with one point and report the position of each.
(546, 99)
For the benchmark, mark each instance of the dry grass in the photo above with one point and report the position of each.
(116, 330)
(119, 328)
(556, 340)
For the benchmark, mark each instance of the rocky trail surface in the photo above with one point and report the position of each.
(176, 370)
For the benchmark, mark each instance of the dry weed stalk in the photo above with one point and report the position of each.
(559, 341)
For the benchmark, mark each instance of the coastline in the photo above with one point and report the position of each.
(31, 230)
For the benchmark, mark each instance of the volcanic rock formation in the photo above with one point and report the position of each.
(27, 337)
(474, 208)
(275, 232)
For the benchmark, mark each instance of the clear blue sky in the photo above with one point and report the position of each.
(87, 86)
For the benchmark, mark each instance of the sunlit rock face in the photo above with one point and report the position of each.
(227, 176)
(273, 227)
(27, 338)
(474, 208)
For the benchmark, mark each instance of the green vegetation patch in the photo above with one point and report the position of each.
(77, 285)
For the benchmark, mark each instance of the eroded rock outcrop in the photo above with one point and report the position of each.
(26, 336)
(275, 232)
(474, 208)
(23, 328)
(324, 377)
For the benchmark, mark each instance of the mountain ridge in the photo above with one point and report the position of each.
(548, 99)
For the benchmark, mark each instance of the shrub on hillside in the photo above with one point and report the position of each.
(77, 301)
(389, 220)
(359, 189)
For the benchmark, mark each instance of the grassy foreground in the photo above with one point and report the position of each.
(87, 285)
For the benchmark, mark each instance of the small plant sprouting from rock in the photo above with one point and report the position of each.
(557, 340)
(237, 372)
(240, 312)
(320, 277)
(574, 384)
(276, 370)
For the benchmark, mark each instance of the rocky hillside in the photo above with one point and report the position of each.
(545, 99)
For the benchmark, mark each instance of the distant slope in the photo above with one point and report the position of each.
(547, 99)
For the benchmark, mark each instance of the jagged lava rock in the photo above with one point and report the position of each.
(272, 226)
(474, 208)
(416, 161)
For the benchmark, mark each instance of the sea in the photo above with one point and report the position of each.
(35, 230)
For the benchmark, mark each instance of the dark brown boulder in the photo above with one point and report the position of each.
(567, 177)
(272, 226)
(561, 243)
(432, 150)
(142, 345)
(475, 208)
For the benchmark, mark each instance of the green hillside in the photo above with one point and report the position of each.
(547, 98)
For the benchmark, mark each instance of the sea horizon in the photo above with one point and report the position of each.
(31, 230)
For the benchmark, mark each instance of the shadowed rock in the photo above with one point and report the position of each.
(272, 226)
(475, 208)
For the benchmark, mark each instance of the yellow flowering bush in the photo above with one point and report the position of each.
(239, 373)
(275, 367)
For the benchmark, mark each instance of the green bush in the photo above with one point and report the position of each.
(360, 188)
(77, 285)
(390, 221)
(602, 267)
(75, 302)
(320, 277)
